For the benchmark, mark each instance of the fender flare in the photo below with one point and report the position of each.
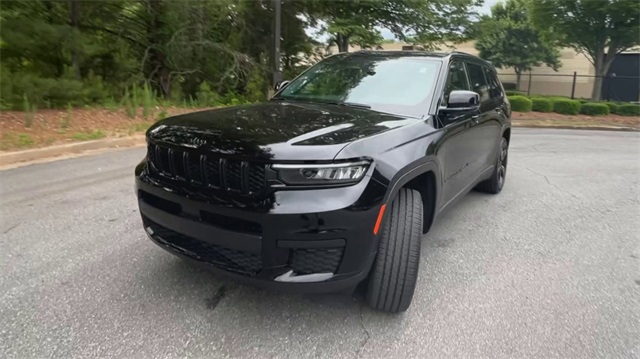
(410, 172)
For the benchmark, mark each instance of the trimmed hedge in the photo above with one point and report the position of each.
(613, 107)
(566, 106)
(520, 104)
(628, 110)
(514, 93)
(594, 109)
(541, 104)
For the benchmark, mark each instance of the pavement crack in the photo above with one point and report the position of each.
(365, 331)
(548, 181)
(10, 228)
(217, 296)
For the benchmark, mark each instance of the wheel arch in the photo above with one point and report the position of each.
(424, 179)
(506, 133)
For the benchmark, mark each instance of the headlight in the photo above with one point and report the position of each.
(339, 173)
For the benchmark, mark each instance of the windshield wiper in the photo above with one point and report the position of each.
(345, 103)
(317, 100)
(353, 104)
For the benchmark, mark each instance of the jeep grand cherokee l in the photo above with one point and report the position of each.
(334, 180)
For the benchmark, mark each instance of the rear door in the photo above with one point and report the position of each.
(487, 129)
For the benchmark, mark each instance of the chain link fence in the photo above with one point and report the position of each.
(614, 88)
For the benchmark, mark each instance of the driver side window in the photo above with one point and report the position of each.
(456, 79)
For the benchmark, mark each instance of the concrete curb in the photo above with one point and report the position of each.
(46, 154)
(52, 152)
(592, 128)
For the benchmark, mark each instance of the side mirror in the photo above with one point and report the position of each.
(281, 84)
(462, 100)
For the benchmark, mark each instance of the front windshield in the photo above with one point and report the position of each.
(398, 85)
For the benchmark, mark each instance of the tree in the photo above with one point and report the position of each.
(599, 29)
(425, 22)
(507, 38)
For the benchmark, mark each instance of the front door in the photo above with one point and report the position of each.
(457, 150)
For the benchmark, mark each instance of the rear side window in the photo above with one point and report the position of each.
(478, 81)
(495, 90)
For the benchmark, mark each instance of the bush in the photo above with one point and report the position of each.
(148, 100)
(256, 88)
(206, 97)
(566, 106)
(541, 104)
(514, 93)
(130, 107)
(594, 109)
(629, 110)
(613, 107)
(520, 104)
(49, 92)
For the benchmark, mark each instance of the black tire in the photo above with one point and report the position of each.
(494, 184)
(395, 271)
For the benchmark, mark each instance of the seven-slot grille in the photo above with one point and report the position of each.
(208, 170)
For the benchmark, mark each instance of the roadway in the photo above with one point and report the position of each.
(548, 268)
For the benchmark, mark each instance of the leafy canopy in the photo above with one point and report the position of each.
(422, 22)
(507, 38)
(591, 26)
(599, 29)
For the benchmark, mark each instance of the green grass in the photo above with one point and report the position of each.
(24, 140)
(162, 115)
(148, 100)
(139, 127)
(87, 136)
(68, 117)
(111, 105)
(11, 140)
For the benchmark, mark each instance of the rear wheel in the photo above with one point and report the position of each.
(496, 182)
(393, 278)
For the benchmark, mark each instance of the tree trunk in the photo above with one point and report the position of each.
(343, 42)
(602, 63)
(596, 94)
(73, 19)
(518, 79)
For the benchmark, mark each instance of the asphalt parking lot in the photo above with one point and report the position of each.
(548, 268)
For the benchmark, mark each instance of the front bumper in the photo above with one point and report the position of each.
(323, 239)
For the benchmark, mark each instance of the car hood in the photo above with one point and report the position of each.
(275, 130)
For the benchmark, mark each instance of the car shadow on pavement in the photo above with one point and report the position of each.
(204, 291)
(193, 279)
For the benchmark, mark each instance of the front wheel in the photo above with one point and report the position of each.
(395, 271)
(496, 182)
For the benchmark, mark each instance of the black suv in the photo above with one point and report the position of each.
(333, 181)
